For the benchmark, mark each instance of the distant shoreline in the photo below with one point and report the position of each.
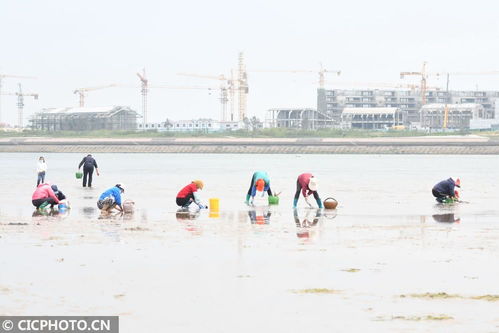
(471, 144)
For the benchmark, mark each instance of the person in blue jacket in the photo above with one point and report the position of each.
(446, 189)
(111, 199)
(260, 181)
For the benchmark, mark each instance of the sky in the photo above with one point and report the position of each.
(68, 45)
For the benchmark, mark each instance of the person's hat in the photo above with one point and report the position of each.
(54, 188)
(313, 184)
(121, 186)
(260, 185)
(458, 182)
(199, 184)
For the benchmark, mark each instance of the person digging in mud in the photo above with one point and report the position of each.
(111, 199)
(260, 182)
(189, 194)
(446, 189)
(44, 196)
(307, 184)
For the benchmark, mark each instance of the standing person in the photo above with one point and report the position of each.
(111, 199)
(189, 194)
(260, 181)
(41, 168)
(43, 196)
(89, 164)
(446, 190)
(307, 184)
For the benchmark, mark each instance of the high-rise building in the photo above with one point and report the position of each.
(333, 101)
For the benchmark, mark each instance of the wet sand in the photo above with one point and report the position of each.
(388, 259)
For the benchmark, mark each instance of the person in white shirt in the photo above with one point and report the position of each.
(41, 168)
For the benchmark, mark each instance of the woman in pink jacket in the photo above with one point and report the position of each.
(42, 194)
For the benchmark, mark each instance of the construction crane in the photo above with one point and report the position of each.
(322, 72)
(380, 85)
(446, 110)
(242, 87)
(4, 76)
(226, 85)
(144, 88)
(20, 103)
(82, 91)
(424, 76)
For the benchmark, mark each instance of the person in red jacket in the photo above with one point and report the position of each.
(307, 184)
(42, 194)
(189, 194)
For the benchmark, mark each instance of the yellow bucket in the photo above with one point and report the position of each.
(214, 205)
(214, 215)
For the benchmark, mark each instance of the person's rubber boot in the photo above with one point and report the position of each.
(295, 202)
(319, 203)
(43, 205)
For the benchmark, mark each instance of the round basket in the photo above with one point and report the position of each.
(330, 203)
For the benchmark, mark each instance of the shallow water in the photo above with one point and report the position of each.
(249, 269)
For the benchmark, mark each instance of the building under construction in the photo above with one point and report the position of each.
(120, 118)
(302, 118)
(372, 118)
(451, 116)
(332, 102)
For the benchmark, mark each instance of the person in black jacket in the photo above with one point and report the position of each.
(89, 164)
(58, 193)
(446, 189)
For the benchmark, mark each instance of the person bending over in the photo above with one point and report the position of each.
(189, 194)
(58, 193)
(260, 182)
(111, 199)
(43, 196)
(446, 190)
(307, 184)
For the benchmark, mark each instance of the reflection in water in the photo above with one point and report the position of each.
(88, 212)
(446, 218)
(109, 215)
(186, 214)
(303, 226)
(51, 212)
(187, 218)
(259, 215)
(330, 213)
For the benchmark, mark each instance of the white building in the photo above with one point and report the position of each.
(302, 118)
(193, 125)
(372, 118)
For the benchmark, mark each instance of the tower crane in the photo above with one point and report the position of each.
(322, 72)
(144, 89)
(20, 103)
(424, 76)
(242, 87)
(4, 76)
(446, 110)
(380, 85)
(82, 91)
(226, 85)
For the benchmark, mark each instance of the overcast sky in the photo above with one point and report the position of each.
(69, 44)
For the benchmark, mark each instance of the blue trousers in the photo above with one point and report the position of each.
(41, 178)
